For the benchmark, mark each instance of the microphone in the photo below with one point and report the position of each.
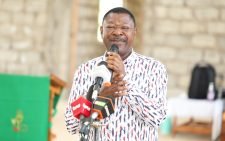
(81, 107)
(102, 74)
(103, 107)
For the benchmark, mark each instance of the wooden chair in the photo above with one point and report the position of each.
(56, 87)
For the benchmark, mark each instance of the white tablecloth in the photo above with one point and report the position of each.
(184, 107)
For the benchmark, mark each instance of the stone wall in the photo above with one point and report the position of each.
(136, 8)
(87, 45)
(181, 33)
(22, 24)
(35, 36)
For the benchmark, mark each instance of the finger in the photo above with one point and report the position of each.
(113, 67)
(116, 94)
(122, 89)
(120, 75)
(119, 94)
(112, 54)
(117, 77)
(114, 59)
(122, 93)
(121, 83)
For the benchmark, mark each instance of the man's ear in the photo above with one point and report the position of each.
(135, 30)
(101, 31)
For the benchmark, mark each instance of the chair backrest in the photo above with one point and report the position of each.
(202, 75)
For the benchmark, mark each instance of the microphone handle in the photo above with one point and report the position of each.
(89, 93)
(96, 88)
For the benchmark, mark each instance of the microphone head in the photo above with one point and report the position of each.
(114, 48)
(102, 71)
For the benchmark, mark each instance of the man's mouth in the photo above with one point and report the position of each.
(118, 40)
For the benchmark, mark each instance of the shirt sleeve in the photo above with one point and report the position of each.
(79, 87)
(150, 105)
(72, 124)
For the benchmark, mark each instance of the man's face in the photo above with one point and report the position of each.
(119, 29)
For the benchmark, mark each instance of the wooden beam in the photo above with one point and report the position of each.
(73, 38)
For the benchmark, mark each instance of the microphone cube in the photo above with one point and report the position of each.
(81, 106)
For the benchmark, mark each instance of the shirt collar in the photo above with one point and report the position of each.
(130, 57)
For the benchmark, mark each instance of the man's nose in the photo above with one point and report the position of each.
(118, 30)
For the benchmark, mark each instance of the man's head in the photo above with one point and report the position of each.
(119, 27)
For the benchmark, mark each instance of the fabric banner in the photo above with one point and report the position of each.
(24, 102)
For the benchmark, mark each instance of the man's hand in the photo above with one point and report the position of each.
(118, 87)
(115, 63)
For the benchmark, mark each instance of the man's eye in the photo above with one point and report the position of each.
(125, 28)
(110, 27)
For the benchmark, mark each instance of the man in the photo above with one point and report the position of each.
(139, 84)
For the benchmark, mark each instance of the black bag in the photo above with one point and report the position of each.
(202, 75)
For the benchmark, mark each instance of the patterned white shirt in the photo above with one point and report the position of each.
(138, 114)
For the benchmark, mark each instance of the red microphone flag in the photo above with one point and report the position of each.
(81, 106)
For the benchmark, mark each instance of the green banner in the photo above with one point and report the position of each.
(24, 102)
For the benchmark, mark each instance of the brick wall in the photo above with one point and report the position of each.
(182, 33)
(87, 45)
(20, 25)
(35, 36)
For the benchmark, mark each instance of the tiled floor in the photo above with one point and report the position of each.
(61, 133)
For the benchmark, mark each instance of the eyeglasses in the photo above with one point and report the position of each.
(122, 28)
